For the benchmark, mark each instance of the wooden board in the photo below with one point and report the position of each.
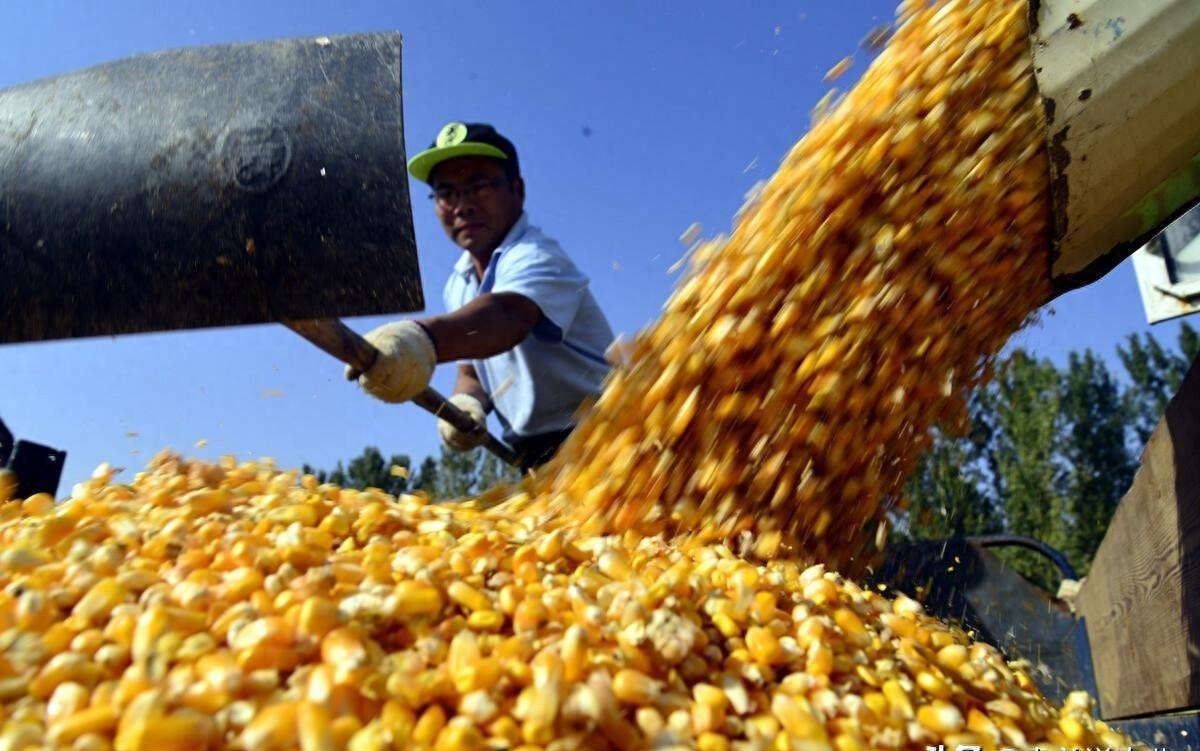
(1141, 600)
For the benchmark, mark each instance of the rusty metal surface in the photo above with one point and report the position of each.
(211, 186)
(1120, 84)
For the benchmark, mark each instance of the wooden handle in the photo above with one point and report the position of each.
(345, 344)
(437, 405)
(339, 340)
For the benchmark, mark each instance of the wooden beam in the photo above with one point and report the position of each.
(1141, 599)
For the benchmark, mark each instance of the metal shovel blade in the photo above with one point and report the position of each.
(212, 186)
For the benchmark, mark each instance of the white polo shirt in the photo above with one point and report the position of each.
(538, 385)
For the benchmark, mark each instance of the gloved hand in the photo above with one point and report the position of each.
(404, 366)
(454, 438)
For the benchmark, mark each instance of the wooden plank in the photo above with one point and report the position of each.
(1141, 600)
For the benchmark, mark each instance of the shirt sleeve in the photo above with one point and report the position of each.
(545, 275)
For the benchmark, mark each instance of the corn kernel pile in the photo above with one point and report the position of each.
(790, 384)
(235, 606)
(783, 395)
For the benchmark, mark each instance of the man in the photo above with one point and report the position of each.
(527, 333)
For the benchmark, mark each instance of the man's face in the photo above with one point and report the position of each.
(476, 203)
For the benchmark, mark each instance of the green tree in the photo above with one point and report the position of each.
(493, 472)
(1049, 452)
(1026, 422)
(368, 470)
(947, 494)
(1096, 454)
(451, 475)
(1155, 374)
(458, 474)
(427, 477)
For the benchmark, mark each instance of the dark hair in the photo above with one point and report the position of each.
(511, 170)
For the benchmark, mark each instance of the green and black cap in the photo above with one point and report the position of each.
(464, 139)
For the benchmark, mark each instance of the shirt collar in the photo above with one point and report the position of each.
(465, 266)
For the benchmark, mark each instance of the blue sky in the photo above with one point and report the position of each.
(633, 121)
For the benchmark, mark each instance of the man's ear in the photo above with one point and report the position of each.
(518, 186)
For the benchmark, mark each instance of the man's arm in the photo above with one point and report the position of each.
(468, 383)
(486, 326)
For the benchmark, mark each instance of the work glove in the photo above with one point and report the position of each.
(404, 366)
(456, 439)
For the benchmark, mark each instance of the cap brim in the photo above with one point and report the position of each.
(423, 163)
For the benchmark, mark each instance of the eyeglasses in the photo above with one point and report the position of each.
(447, 196)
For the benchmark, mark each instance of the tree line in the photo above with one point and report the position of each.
(450, 475)
(1046, 451)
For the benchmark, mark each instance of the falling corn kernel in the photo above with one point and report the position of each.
(839, 69)
(889, 254)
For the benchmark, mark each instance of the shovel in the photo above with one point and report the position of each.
(212, 186)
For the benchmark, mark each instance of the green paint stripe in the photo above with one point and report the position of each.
(1172, 194)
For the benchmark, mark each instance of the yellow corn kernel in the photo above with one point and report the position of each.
(574, 652)
(726, 625)
(898, 700)
(67, 699)
(315, 727)
(851, 625)
(371, 737)
(952, 656)
(934, 685)
(529, 614)
(797, 719)
(38, 504)
(414, 599)
(1074, 730)
(537, 706)
(712, 742)
(485, 620)
(650, 721)
(275, 726)
(151, 625)
(58, 638)
(272, 630)
(267, 657)
(763, 608)
(317, 617)
(940, 717)
(462, 659)
(182, 731)
(344, 728)
(99, 601)
(505, 729)
(615, 564)
(459, 736)
(102, 720)
(764, 646)
(819, 660)
(467, 596)
(708, 711)
(429, 726)
(632, 687)
(821, 591)
(344, 648)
